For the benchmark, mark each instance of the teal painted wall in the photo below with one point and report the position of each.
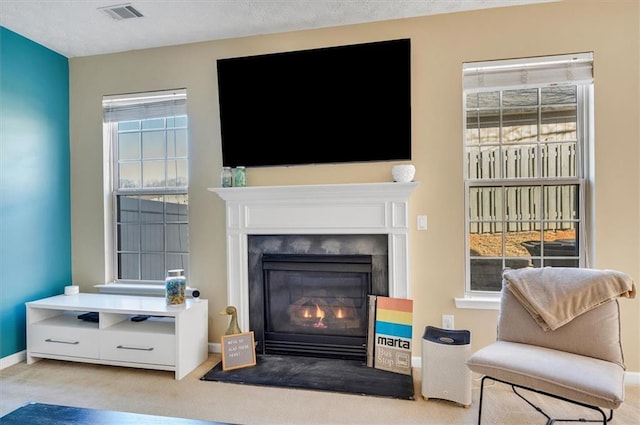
(35, 210)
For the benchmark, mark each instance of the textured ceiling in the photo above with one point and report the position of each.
(78, 28)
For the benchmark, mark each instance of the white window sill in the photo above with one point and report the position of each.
(478, 303)
(135, 289)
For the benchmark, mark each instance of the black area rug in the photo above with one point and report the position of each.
(343, 376)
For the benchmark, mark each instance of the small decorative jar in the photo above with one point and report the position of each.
(239, 177)
(226, 178)
(175, 287)
(403, 173)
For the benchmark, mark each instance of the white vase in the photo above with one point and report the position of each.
(403, 173)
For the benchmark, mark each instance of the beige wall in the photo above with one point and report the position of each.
(440, 44)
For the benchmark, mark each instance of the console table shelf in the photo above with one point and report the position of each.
(173, 338)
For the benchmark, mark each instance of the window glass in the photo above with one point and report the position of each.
(524, 157)
(150, 175)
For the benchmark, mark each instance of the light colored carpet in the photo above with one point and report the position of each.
(157, 393)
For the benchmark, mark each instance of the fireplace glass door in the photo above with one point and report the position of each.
(316, 305)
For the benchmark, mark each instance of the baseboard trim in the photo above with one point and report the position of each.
(630, 378)
(19, 357)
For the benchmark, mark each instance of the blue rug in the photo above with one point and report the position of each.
(51, 414)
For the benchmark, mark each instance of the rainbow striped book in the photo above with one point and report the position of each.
(393, 332)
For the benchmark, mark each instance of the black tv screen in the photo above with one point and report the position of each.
(329, 105)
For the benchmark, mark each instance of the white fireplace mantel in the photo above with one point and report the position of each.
(363, 208)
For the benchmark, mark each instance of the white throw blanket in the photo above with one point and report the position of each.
(556, 295)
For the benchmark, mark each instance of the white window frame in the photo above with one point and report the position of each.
(575, 69)
(132, 107)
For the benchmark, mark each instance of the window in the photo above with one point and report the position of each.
(526, 144)
(147, 138)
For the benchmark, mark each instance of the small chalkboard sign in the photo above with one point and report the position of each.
(238, 351)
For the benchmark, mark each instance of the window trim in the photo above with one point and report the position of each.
(584, 180)
(171, 101)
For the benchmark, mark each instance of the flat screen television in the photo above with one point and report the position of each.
(328, 105)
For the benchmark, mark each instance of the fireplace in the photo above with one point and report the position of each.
(308, 293)
(316, 305)
(313, 220)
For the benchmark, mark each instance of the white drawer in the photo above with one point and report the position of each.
(137, 347)
(64, 341)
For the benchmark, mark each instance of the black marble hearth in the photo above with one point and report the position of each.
(310, 373)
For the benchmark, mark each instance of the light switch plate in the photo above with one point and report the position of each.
(422, 222)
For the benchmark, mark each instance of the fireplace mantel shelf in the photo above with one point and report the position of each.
(327, 209)
(387, 190)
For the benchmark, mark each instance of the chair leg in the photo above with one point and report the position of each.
(550, 421)
(542, 412)
(480, 401)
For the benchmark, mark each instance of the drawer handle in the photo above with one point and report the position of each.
(62, 342)
(124, 347)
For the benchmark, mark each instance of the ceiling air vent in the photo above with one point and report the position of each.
(121, 11)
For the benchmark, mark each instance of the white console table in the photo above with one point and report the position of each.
(173, 338)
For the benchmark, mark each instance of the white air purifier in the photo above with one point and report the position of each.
(445, 374)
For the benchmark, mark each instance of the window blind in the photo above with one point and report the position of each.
(572, 69)
(139, 106)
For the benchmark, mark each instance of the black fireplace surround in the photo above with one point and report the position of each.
(314, 303)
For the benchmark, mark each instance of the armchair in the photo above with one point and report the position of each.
(575, 354)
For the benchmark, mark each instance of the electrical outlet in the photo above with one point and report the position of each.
(447, 321)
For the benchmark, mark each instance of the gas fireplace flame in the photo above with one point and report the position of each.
(320, 317)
